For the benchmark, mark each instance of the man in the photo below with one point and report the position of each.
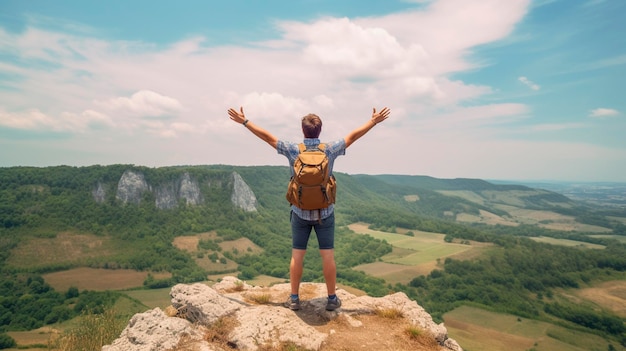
(322, 220)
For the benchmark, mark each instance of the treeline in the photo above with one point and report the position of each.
(27, 302)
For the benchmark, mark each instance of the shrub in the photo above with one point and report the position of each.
(6, 342)
(390, 313)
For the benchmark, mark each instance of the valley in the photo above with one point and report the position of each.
(548, 270)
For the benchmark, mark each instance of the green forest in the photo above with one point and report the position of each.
(519, 278)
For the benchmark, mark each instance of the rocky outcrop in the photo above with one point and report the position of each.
(258, 319)
(242, 195)
(189, 190)
(99, 193)
(131, 187)
(169, 194)
(166, 196)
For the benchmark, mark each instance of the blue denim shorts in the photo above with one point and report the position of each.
(301, 230)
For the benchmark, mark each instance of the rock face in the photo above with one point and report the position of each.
(189, 190)
(169, 194)
(197, 308)
(242, 196)
(131, 187)
(98, 193)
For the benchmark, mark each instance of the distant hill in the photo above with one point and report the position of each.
(400, 197)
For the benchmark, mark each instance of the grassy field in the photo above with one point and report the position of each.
(415, 255)
(486, 218)
(151, 298)
(98, 279)
(62, 248)
(550, 220)
(620, 238)
(566, 242)
(619, 219)
(239, 246)
(610, 295)
(478, 329)
(512, 202)
(33, 338)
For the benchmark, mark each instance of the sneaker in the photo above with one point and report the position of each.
(334, 304)
(293, 305)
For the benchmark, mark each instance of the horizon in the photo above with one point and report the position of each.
(479, 89)
(504, 181)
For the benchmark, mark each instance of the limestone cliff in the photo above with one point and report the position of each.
(242, 195)
(185, 188)
(234, 315)
(189, 190)
(132, 187)
(99, 193)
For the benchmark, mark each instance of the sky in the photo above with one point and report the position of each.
(488, 89)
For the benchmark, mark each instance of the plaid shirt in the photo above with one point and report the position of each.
(291, 151)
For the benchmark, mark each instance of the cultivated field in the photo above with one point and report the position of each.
(415, 255)
(477, 329)
(566, 242)
(236, 247)
(99, 279)
(190, 243)
(151, 298)
(610, 295)
(551, 220)
(486, 218)
(36, 340)
(512, 202)
(620, 238)
(57, 249)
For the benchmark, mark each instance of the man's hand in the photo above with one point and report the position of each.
(238, 117)
(378, 117)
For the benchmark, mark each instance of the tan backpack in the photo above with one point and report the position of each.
(311, 187)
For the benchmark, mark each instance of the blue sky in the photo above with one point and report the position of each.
(491, 89)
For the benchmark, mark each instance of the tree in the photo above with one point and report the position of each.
(6, 342)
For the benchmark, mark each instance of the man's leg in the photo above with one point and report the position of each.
(330, 270)
(325, 231)
(295, 269)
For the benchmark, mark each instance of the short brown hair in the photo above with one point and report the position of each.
(311, 126)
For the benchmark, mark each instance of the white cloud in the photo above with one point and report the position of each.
(529, 83)
(30, 120)
(87, 120)
(603, 112)
(144, 103)
(37, 121)
(350, 49)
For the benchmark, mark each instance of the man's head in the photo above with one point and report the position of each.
(311, 126)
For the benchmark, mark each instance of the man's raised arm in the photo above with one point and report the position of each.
(377, 117)
(240, 117)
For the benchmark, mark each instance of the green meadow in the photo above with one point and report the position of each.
(478, 329)
(413, 255)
